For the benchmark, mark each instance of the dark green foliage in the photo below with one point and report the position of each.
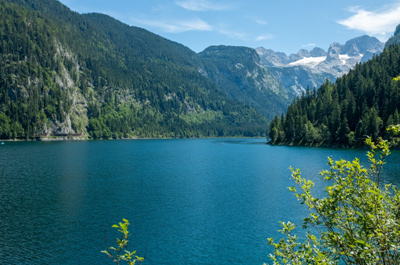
(62, 73)
(361, 103)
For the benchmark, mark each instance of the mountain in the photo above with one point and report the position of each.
(311, 68)
(239, 72)
(395, 39)
(66, 74)
(363, 102)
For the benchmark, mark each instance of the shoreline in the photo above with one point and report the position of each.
(84, 138)
(364, 147)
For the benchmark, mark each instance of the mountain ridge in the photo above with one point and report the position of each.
(363, 102)
(395, 39)
(93, 76)
(90, 75)
(241, 74)
(318, 65)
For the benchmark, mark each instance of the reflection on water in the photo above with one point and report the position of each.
(74, 177)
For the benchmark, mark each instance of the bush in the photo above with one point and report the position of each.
(358, 221)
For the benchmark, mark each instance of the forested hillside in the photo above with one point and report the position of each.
(362, 103)
(62, 73)
(240, 72)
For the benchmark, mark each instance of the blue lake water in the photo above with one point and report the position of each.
(189, 201)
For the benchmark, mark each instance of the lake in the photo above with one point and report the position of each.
(189, 201)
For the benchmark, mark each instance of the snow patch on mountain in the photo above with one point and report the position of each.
(347, 59)
(299, 71)
(311, 62)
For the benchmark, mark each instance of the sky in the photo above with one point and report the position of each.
(281, 25)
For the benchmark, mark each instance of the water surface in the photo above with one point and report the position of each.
(190, 201)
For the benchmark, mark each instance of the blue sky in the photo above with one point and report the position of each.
(281, 25)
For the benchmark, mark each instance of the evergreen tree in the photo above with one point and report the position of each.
(62, 73)
(359, 104)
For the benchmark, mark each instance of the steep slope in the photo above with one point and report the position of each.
(363, 102)
(62, 73)
(395, 39)
(312, 68)
(241, 74)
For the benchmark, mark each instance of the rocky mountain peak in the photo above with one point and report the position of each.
(312, 68)
(333, 53)
(363, 44)
(397, 31)
(272, 58)
(303, 53)
(318, 52)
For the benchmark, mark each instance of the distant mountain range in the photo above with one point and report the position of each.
(363, 102)
(269, 80)
(311, 68)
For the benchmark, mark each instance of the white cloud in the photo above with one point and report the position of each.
(177, 26)
(261, 22)
(244, 36)
(308, 45)
(264, 37)
(233, 34)
(201, 5)
(380, 24)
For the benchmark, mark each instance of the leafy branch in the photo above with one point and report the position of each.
(121, 252)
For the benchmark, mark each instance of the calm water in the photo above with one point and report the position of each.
(196, 201)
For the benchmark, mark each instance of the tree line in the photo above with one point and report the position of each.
(361, 103)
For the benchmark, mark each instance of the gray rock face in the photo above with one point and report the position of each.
(317, 52)
(362, 45)
(241, 74)
(272, 58)
(333, 52)
(311, 68)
